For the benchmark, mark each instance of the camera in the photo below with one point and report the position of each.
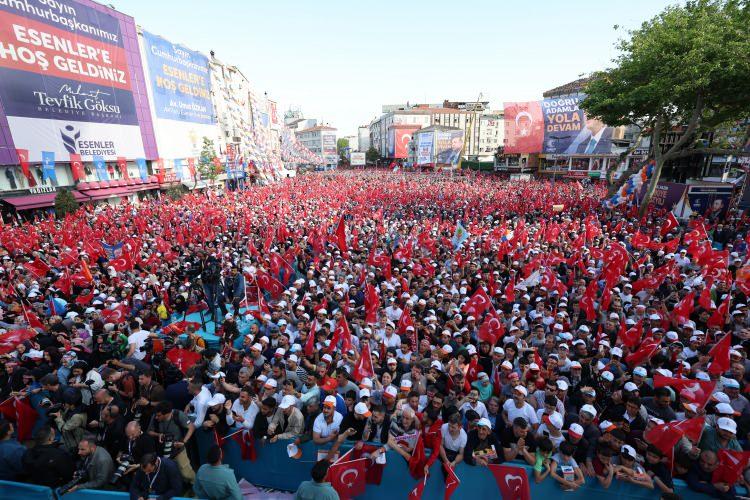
(77, 478)
(168, 446)
(124, 462)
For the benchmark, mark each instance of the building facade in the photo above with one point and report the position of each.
(320, 140)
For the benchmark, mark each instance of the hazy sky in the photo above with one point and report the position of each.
(340, 61)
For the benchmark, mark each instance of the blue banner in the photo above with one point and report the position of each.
(448, 146)
(178, 169)
(113, 251)
(48, 167)
(101, 168)
(180, 81)
(141, 162)
(424, 148)
(567, 129)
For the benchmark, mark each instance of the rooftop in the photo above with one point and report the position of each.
(568, 88)
(316, 127)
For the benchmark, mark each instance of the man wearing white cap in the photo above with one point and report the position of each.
(287, 423)
(518, 407)
(721, 436)
(326, 424)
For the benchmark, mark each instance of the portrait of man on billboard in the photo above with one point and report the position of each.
(450, 156)
(594, 138)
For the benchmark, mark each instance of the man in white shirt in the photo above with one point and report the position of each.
(326, 425)
(243, 411)
(136, 340)
(201, 397)
(518, 407)
(393, 312)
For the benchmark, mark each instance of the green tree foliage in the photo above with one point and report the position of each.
(341, 144)
(206, 168)
(687, 67)
(65, 203)
(372, 155)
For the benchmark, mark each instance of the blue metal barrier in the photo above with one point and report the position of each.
(9, 489)
(274, 469)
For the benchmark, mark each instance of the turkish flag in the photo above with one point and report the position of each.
(669, 224)
(122, 164)
(117, 315)
(341, 237)
(665, 436)
(492, 328)
(364, 366)
(587, 301)
(122, 263)
(84, 300)
(32, 319)
(418, 458)
(683, 309)
(182, 358)
(632, 336)
(310, 342)
(348, 477)
(372, 303)
(23, 160)
(640, 240)
(719, 355)
(478, 303)
(76, 167)
(691, 428)
(63, 284)
(697, 235)
(179, 327)
(512, 482)
(278, 263)
(416, 492)
(341, 334)
(719, 316)
(647, 349)
(269, 284)
(38, 268)
(26, 417)
(731, 465)
(451, 481)
(247, 445)
(699, 391)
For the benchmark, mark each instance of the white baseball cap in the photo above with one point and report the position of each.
(287, 401)
(589, 409)
(727, 424)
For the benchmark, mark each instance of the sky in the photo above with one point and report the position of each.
(341, 61)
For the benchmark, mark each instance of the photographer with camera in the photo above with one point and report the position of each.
(150, 393)
(47, 463)
(94, 470)
(112, 433)
(70, 419)
(172, 429)
(157, 476)
(134, 447)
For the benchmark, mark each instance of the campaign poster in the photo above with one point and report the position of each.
(357, 159)
(524, 127)
(567, 129)
(180, 81)
(448, 146)
(424, 148)
(666, 195)
(710, 201)
(66, 80)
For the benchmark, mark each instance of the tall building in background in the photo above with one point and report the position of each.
(482, 127)
(321, 140)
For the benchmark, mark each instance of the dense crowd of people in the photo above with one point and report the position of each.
(481, 319)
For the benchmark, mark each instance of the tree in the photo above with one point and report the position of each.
(206, 168)
(372, 155)
(687, 68)
(65, 203)
(341, 144)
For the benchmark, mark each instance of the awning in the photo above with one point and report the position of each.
(103, 194)
(42, 200)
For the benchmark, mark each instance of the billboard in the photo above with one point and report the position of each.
(66, 80)
(524, 127)
(425, 145)
(555, 126)
(448, 144)
(398, 141)
(329, 149)
(666, 195)
(180, 81)
(357, 159)
(710, 200)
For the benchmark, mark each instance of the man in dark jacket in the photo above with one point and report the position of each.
(97, 465)
(11, 452)
(157, 476)
(47, 464)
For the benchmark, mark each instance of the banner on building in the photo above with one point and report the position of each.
(357, 159)
(710, 200)
(524, 127)
(425, 146)
(329, 148)
(65, 83)
(555, 126)
(448, 145)
(398, 140)
(666, 195)
(180, 81)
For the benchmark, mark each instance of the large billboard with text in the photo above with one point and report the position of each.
(66, 80)
(448, 145)
(555, 126)
(425, 144)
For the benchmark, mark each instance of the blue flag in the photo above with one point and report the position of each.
(48, 167)
(459, 236)
(178, 168)
(113, 251)
(101, 168)
(141, 162)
